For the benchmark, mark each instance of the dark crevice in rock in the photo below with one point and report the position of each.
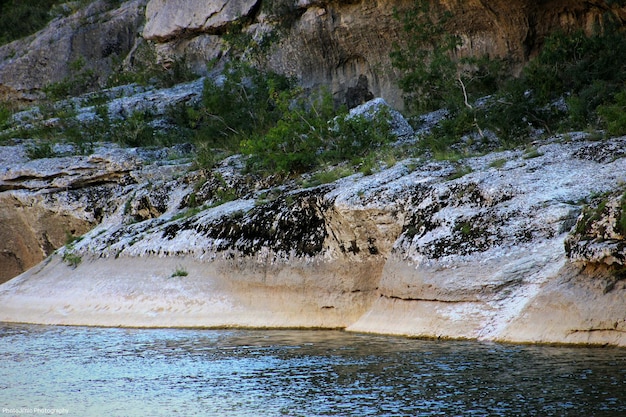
(593, 330)
(432, 300)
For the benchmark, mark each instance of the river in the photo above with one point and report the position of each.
(78, 371)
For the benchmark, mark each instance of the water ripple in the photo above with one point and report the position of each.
(133, 372)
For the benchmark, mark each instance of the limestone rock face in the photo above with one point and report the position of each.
(46, 202)
(417, 249)
(347, 44)
(167, 20)
(480, 248)
(344, 45)
(93, 39)
(600, 234)
(32, 231)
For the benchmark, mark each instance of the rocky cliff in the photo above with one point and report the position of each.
(413, 250)
(341, 44)
(523, 245)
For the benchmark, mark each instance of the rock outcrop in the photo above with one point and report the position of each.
(344, 45)
(512, 246)
(418, 249)
(45, 203)
(91, 41)
(168, 20)
(600, 234)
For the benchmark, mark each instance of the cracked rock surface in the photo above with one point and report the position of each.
(410, 250)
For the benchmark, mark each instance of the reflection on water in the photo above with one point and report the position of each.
(133, 372)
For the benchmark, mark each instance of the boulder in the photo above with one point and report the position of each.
(167, 20)
(400, 127)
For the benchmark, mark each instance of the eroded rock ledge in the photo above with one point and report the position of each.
(405, 251)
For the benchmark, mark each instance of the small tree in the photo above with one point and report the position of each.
(434, 76)
(425, 60)
(293, 144)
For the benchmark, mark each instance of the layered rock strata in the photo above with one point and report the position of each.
(45, 203)
(418, 249)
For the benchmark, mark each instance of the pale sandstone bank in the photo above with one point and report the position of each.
(411, 250)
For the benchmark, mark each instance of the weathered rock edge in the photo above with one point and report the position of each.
(407, 251)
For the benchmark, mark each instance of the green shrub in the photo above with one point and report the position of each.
(6, 115)
(80, 81)
(147, 71)
(572, 84)
(241, 104)
(289, 147)
(71, 240)
(354, 138)
(144, 68)
(40, 150)
(245, 102)
(425, 61)
(432, 77)
(587, 69)
(513, 115)
(531, 153)
(223, 193)
(134, 130)
(621, 222)
(614, 115)
(310, 134)
(498, 163)
(572, 63)
(459, 171)
(72, 259)
(327, 176)
(20, 18)
(176, 73)
(179, 272)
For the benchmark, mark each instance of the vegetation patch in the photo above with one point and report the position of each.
(277, 125)
(326, 176)
(40, 150)
(459, 171)
(620, 227)
(72, 259)
(576, 82)
(179, 272)
(498, 163)
(20, 18)
(531, 153)
(591, 213)
(311, 134)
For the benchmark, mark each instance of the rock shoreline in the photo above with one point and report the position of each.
(411, 250)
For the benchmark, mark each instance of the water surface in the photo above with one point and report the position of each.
(172, 372)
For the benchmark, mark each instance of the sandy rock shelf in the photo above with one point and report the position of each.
(405, 251)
